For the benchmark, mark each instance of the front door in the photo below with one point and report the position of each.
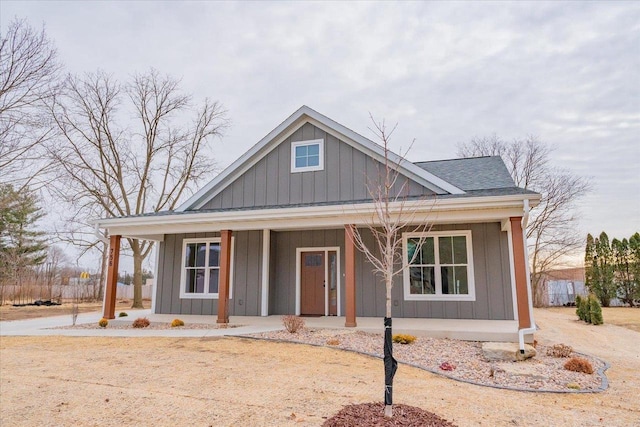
(312, 283)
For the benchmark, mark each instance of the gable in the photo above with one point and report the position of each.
(271, 182)
(295, 123)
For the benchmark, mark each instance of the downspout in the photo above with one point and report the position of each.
(532, 324)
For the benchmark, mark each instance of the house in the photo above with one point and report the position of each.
(270, 235)
(561, 286)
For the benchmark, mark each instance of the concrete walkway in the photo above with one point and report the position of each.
(464, 329)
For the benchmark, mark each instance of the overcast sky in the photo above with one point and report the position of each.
(566, 72)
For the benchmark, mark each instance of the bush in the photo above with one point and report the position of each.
(141, 322)
(559, 350)
(333, 341)
(177, 322)
(403, 339)
(122, 314)
(103, 322)
(292, 323)
(581, 308)
(589, 309)
(595, 311)
(577, 364)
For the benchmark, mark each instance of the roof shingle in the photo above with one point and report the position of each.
(473, 173)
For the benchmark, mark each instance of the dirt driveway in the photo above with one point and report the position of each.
(240, 382)
(9, 312)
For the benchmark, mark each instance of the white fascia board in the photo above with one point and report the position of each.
(317, 222)
(477, 209)
(354, 139)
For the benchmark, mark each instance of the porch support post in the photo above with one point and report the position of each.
(225, 273)
(520, 271)
(349, 276)
(109, 307)
(266, 247)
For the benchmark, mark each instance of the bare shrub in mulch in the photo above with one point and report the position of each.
(578, 364)
(292, 323)
(141, 322)
(559, 350)
(372, 414)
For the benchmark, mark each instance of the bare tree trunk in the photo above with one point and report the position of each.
(137, 274)
(390, 363)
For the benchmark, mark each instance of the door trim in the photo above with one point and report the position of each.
(326, 250)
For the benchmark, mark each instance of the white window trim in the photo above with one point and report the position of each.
(183, 270)
(408, 296)
(320, 166)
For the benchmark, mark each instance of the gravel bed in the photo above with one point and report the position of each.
(540, 373)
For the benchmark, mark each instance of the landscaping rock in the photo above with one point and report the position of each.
(506, 351)
(527, 370)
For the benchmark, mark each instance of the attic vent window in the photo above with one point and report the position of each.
(307, 156)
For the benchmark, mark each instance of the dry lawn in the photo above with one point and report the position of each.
(9, 312)
(627, 317)
(66, 381)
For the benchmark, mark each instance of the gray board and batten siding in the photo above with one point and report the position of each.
(491, 273)
(247, 276)
(269, 182)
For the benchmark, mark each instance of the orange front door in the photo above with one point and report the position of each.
(312, 283)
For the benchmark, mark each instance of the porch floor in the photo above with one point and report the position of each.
(462, 329)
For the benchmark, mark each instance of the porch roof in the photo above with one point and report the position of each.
(473, 206)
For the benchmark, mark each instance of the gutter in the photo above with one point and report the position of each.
(532, 324)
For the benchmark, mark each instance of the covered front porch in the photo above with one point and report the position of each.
(268, 267)
(460, 329)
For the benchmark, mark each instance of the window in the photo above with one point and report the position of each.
(440, 266)
(201, 268)
(307, 156)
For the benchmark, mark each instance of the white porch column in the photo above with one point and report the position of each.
(266, 248)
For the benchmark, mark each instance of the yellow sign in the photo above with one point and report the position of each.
(84, 275)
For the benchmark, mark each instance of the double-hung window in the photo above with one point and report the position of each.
(439, 266)
(201, 268)
(307, 156)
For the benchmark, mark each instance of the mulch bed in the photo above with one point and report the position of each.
(372, 414)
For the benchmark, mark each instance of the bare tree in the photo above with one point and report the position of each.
(121, 167)
(551, 233)
(80, 233)
(50, 269)
(392, 215)
(29, 79)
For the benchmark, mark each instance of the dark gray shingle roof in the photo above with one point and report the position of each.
(473, 173)
(507, 191)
